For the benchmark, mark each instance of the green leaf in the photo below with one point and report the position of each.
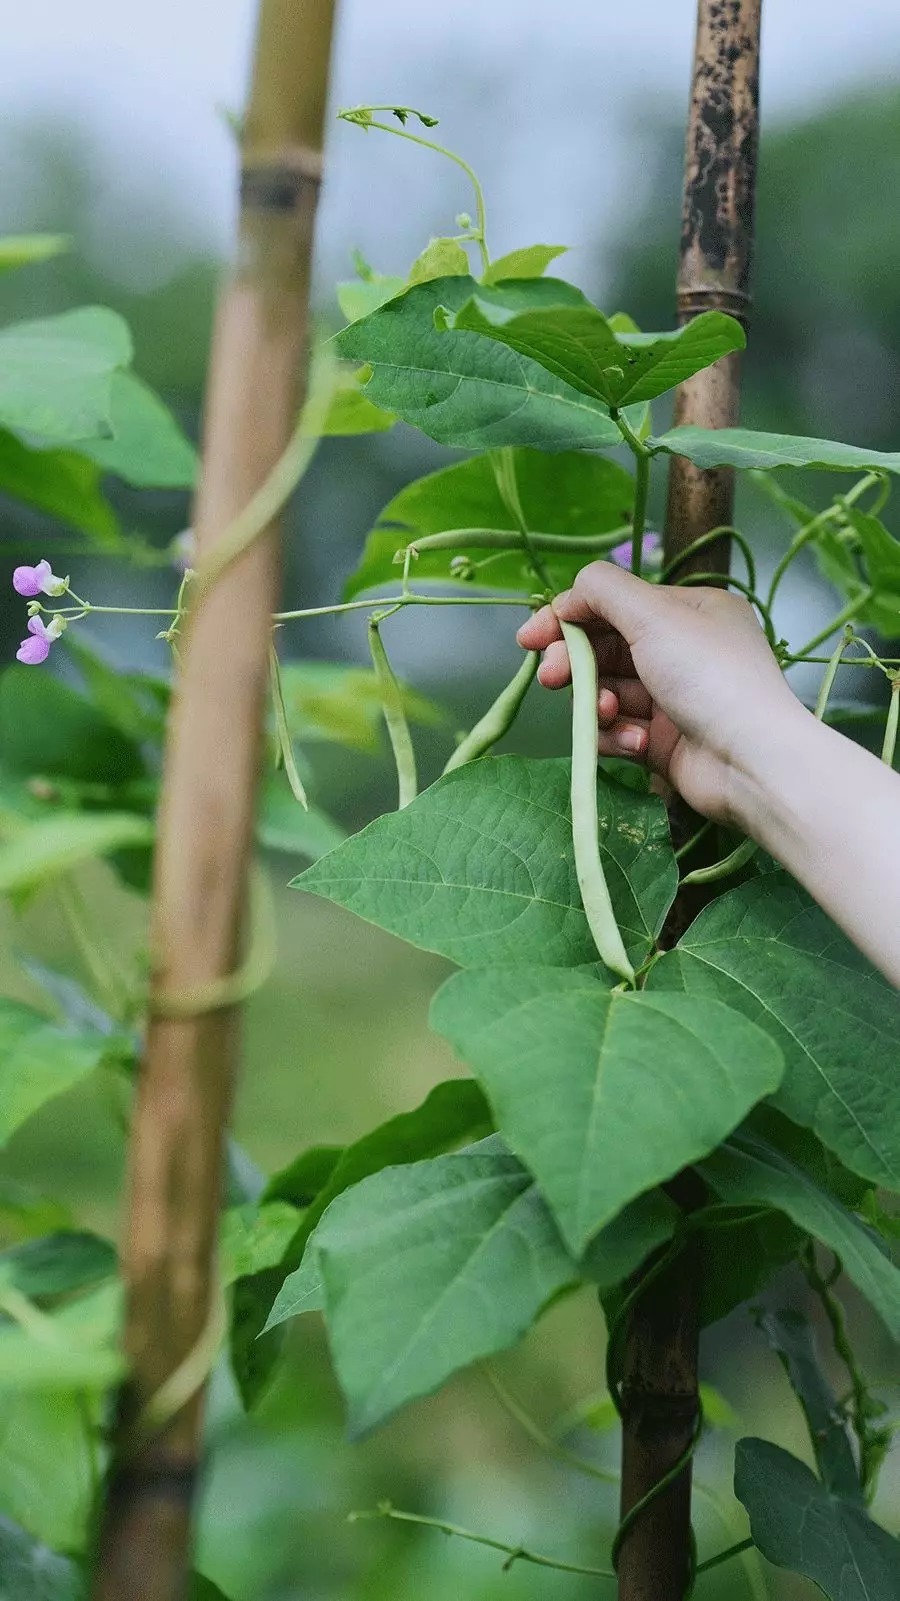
(767, 950)
(747, 1170)
(340, 704)
(253, 1238)
(50, 730)
(282, 824)
(358, 298)
(26, 1215)
(30, 1571)
(530, 262)
(745, 448)
(56, 374)
(568, 493)
(301, 1180)
(740, 1257)
(793, 1339)
(56, 1265)
(800, 1525)
(49, 1449)
(462, 389)
(147, 447)
(429, 1267)
(26, 249)
(480, 868)
(602, 1094)
(350, 411)
(41, 851)
(578, 345)
(441, 258)
(60, 483)
(38, 1061)
(451, 1113)
(77, 1348)
(881, 553)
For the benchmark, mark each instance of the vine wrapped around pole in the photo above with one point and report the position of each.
(659, 1383)
(257, 374)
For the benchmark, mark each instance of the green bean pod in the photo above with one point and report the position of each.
(890, 727)
(499, 718)
(737, 858)
(285, 743)
(585, 824)
(395, 719)
(830, 673)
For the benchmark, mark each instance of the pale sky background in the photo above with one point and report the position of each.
(547, 100)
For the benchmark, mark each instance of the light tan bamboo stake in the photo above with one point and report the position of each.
(257, 375)
(660, 1380)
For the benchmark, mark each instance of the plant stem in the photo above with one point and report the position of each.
(695, 839)
(396, 601)
(361, 117)
(890, 728)
(598, 908)
(732, 863)
(503, 463)
(696, 545)
(394, 717)
(499, 718)
(725, 1556)
(845, 615)
(642, 457)
(514, 1553)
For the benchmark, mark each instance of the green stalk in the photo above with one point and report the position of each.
(642, 458)
(890, 727)
(830, 673)
(696, 545)
(503, 464)
(394, 717)
(585, 826)
(498, 718)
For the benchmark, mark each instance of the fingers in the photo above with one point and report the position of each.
(627, 737)
(606, 595)
(540, 630)
(629, 694)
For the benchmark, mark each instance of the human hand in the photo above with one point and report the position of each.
(688, 682)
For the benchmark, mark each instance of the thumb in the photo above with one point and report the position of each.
(606, 595)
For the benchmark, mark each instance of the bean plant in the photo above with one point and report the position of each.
(758, 1052)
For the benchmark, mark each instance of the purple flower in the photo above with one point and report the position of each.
(39, 580)
(35, 650)
(621, 554)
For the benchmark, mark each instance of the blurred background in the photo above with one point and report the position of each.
(116, 131)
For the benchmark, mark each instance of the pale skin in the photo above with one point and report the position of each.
(689, 686)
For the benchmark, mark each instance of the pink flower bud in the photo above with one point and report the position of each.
(621, 554)
(39, 580)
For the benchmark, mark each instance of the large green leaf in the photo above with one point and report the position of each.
(747, 1170)
(56, 374)
(567, 494)
(881, 553)
(578, 345)
(800, 1525)
(602, 1094)
(793, 1339)
(76, 1348)
(50, 730)
(744, 447)
(430, 1267)
(49, 1449)
(253, 1238)
(30, 1571)
(741, 1252)
(61, 483)
(480, 868)
(452, 1113)
(37, 1062)
(767, 950)
(350, 411)
(147, 447)
(41, 851)
(463, 389)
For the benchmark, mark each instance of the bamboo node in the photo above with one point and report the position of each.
(281, 181)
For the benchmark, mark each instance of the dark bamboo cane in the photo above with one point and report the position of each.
(659, 1390)
(257, 374)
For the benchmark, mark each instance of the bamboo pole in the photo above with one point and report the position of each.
(256, 379)
(660, 1380)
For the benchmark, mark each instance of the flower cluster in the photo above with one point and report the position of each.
(31, 582)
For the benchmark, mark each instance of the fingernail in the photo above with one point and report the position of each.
(630, 739)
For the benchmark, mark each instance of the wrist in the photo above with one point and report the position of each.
(761, 774)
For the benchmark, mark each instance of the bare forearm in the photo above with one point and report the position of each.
(830, 813)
